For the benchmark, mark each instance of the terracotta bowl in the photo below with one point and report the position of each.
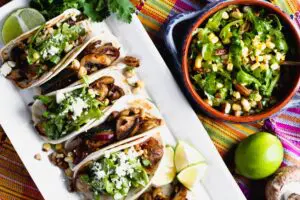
(291, 75)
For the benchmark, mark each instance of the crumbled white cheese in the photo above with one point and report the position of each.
(118, 196)
(5, 69)
(106, 154)
(53, 50)
(60, 96)
(12, 64)
(77, 107)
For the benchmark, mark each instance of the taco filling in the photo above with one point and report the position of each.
(118, 126)
(68, 112)
(94, 57)
(32, 58)
(116, 174)
(174, 191)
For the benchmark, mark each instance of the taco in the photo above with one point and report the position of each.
(130, 118)
(124, 172)
(63, 114)
(31, 58)
(96, 54)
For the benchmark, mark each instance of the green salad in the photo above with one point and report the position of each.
(235, 58)
(68, 112)
(115, 174)
(49, 45)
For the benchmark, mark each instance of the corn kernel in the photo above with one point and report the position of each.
(198, 61)
(46, 147)
(261, 46)
(246, 105)
(236, 107)
(225, 15)
(237, 14)
(257, 52)
(278, 56)
(270, 45)
(219, 85)
(259, 58)
(213, 38)
(267, 57)
(254, 66)
(208, 101)
(236, 94)
(229, 66)
(227, 108)
(245, 51)
(253, 104)
(37, 156)
(264, 66)
(275, 66)
(214, 67)
(58, 147)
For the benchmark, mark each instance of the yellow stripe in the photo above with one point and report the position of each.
(14, 193)
(148, 23)
(243, 128)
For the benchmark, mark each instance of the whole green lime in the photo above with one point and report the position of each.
(258, 156)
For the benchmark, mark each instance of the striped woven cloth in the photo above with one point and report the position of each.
(15, 183)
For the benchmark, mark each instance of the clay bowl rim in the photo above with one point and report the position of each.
(185, 68)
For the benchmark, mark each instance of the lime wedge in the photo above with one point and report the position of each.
(167, 172)
(191, 175)
(186, 155)
(21, 21)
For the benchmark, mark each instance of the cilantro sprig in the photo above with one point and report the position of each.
(96, 10)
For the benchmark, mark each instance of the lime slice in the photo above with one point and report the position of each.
(167, 172)
(186, 155)
(191, 175)
(21, 21)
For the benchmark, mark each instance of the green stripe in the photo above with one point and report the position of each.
(283, 5)
(219, 136)
(159, 5)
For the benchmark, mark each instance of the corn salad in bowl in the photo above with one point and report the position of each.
(234, 59)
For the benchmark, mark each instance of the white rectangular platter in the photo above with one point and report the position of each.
(181, 120)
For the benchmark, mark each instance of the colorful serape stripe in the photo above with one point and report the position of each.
(15, 183)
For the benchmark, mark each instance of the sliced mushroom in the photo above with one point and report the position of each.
(180, 193)
(131, 61)
(149, 124)
(91, 48)
(114, 115)
(127, 126)
(115, 93)
(92, 59)
(102, 91)
(242, 89)
(106, 80)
